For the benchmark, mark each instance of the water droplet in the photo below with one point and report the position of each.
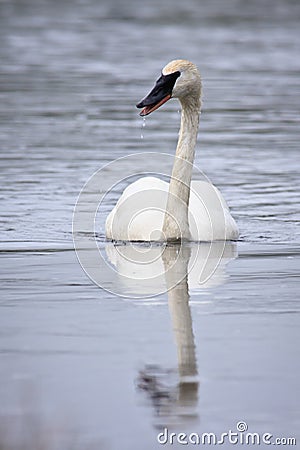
(143, 126)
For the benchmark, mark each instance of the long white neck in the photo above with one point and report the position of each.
(176, 226)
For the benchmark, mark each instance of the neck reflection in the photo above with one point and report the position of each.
(174, 393)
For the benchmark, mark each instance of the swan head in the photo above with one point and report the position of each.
(179, 79)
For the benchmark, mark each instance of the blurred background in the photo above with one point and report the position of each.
(71, 73)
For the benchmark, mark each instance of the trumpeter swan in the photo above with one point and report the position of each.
(151, 209)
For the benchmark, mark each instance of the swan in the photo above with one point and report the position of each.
(151, 209)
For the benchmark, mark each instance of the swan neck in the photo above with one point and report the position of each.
(190, 114)
(176, 218)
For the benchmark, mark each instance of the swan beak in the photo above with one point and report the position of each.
(160, 94)
(152, 107)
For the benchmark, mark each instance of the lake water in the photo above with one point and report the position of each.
(82, 367)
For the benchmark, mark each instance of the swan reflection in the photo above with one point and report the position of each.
(143, 270)
(179, 269)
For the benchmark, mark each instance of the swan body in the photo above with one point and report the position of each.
(140, 211)
(151, 209)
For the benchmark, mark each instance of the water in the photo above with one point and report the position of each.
(88, 366)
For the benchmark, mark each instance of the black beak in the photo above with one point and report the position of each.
(160, 94)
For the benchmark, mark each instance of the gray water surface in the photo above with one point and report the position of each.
(78, 363)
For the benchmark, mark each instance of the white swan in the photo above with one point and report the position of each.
(151, 209)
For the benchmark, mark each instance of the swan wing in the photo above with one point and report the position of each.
(139, 212)
(209, 215)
